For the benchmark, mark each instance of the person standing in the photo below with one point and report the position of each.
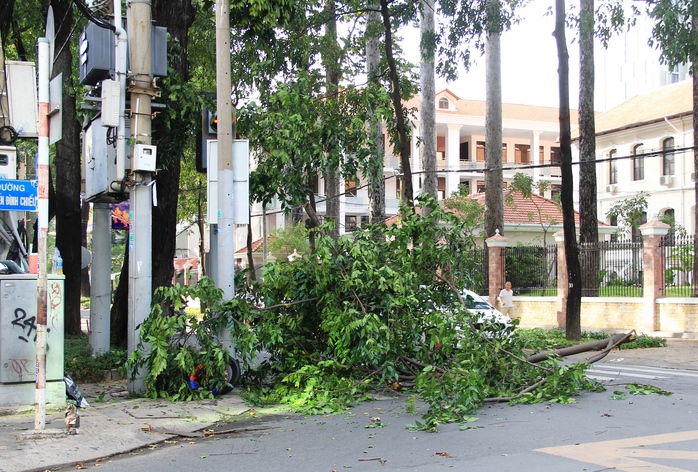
(506, 300)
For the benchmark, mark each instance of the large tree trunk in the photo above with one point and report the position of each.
(376, 182)
(574, 299)
(407, 191)
(588, 228)
(694, 74)
(494, 198)
(330, 61)
(427, 111)
(67, 162)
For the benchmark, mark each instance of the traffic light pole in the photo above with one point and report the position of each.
(226, 225)
(140, 274)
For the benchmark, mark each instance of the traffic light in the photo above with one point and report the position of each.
(210, 123)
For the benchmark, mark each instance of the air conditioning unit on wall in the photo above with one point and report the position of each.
(612, 189)
(666, 180)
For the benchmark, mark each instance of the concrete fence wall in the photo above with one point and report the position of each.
(647, 314)
(678, 317)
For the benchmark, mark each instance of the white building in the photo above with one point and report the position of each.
(460, 145)
(645, 144)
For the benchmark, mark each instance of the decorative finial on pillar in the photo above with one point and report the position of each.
(496, 232)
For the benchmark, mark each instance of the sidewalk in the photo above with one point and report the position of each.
(119, 424)
(116, 425)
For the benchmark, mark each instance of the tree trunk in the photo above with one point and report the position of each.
(118, 322)
(494, 198)
(588, 228)
(407, 191)
(67, 163)
(427, 111)
(574, 299)
(694, 74)
(330, 61)
(376, 182)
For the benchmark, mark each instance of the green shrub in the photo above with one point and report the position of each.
(82, 366)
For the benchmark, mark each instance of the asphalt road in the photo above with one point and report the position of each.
(612, 430)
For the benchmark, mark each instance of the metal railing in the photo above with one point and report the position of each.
(532, 270)
(677, 253)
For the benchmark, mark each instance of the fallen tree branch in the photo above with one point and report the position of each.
(605, 345)
(530, 388)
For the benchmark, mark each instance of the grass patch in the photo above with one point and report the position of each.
(82, 366)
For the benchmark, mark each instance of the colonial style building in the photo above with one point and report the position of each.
(645, 144)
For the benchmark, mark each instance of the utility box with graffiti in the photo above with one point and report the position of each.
(18, 322)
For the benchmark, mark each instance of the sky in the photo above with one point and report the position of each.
(529, 63)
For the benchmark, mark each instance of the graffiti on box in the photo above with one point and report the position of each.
(21, 368)
(26, 323)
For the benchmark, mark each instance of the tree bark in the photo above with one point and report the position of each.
(427, 111)
(588, 228)
(377, 183)
(330, 61)
(574, 299)
(67, 164)
(407, 191)
(494, 181)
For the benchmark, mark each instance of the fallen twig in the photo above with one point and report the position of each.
(382, 461)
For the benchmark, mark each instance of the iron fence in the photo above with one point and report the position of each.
(677, 254)
(532, 270)
(611, 268)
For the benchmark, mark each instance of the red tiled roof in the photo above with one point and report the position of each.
(521, 208)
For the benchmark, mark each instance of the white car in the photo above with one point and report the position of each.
(486, 313)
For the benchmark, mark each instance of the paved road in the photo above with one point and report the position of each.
(602, 431)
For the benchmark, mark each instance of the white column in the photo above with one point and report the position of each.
(452, 159)
(535, 155)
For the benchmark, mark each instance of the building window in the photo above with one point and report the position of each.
(349, 223)
(480, 186)
(636, 234)
(398, 186)
(443, 103)
(522, 153)
(441, 148)
(465, 151)
(638, 162)
(613, 221)
(441, 187)
(674, 75)
(350, 187)
(668, 156)
(480, 151)
(555, 158)
(364, 220)
(612, 167)
(555, 192)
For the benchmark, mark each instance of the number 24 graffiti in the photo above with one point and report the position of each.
(25, 323)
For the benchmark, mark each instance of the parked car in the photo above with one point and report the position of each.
(486, 313)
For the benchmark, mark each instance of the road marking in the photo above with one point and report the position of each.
(658, 370)
(627, 454)
(617, 373)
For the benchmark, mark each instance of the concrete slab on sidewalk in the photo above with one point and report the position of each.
(107, 429)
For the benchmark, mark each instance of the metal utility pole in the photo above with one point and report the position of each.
(226, 225)
(140, 277)
(43, 175)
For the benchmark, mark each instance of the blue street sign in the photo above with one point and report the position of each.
(18, 195)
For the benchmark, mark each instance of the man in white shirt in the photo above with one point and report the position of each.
(506, 301)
